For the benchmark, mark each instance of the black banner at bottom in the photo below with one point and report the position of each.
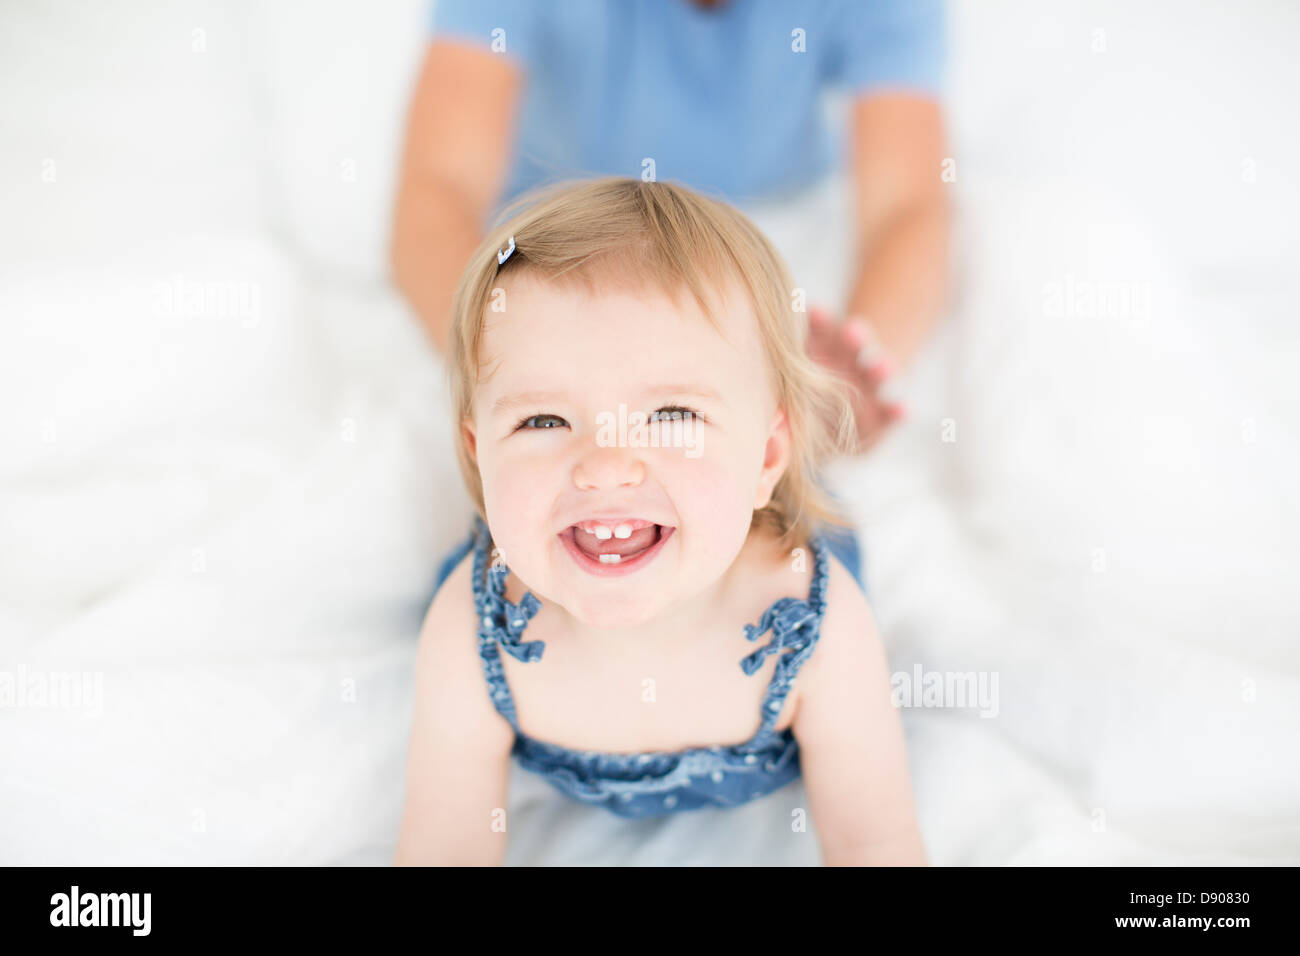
(338, 905)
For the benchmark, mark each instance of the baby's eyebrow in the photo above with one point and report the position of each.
(541, 396)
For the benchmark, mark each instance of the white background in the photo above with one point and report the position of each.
(234, 517)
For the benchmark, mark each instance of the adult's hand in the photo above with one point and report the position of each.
(852, 350)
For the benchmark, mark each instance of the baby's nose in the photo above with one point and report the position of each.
(611, 467)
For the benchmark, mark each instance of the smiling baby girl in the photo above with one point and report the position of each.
(640, 429)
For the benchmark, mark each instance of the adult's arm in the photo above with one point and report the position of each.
(458, 142)
(902, 218)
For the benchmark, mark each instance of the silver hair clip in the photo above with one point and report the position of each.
(504, 254)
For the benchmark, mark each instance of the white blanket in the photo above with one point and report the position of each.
(226, 473)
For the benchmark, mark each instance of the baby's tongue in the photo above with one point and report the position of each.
(635, 543)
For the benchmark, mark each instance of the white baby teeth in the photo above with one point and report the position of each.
(610, 558)
(623, 531)
(602, 532)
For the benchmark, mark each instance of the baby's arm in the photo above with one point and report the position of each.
(851, 740)
(459, 755)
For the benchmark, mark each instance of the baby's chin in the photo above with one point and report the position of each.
(616, 604)
(613, 615)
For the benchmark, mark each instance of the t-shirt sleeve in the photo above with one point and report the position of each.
(892, 44)
(502, 26)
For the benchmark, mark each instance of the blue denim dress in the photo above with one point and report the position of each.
(657, 783)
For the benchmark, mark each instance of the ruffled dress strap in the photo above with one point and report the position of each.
(795, 624)
(501, 623)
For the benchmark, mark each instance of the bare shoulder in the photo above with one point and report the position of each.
(848, 645)
(451, 687)
(849, 642)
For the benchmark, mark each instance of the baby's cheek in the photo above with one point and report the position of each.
(517, 509)
(512, 494)
(710, 494)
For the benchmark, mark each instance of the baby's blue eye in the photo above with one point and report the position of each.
(539, 417)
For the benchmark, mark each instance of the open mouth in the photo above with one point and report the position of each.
(623, 551)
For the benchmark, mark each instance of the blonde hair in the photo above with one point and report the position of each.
(663, 236)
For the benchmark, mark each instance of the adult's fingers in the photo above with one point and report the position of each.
(819, 315)
(860, 337)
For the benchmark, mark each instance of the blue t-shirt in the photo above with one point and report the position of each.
(727, 100)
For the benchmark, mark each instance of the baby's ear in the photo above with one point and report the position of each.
(776, 457)
(471, 440)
